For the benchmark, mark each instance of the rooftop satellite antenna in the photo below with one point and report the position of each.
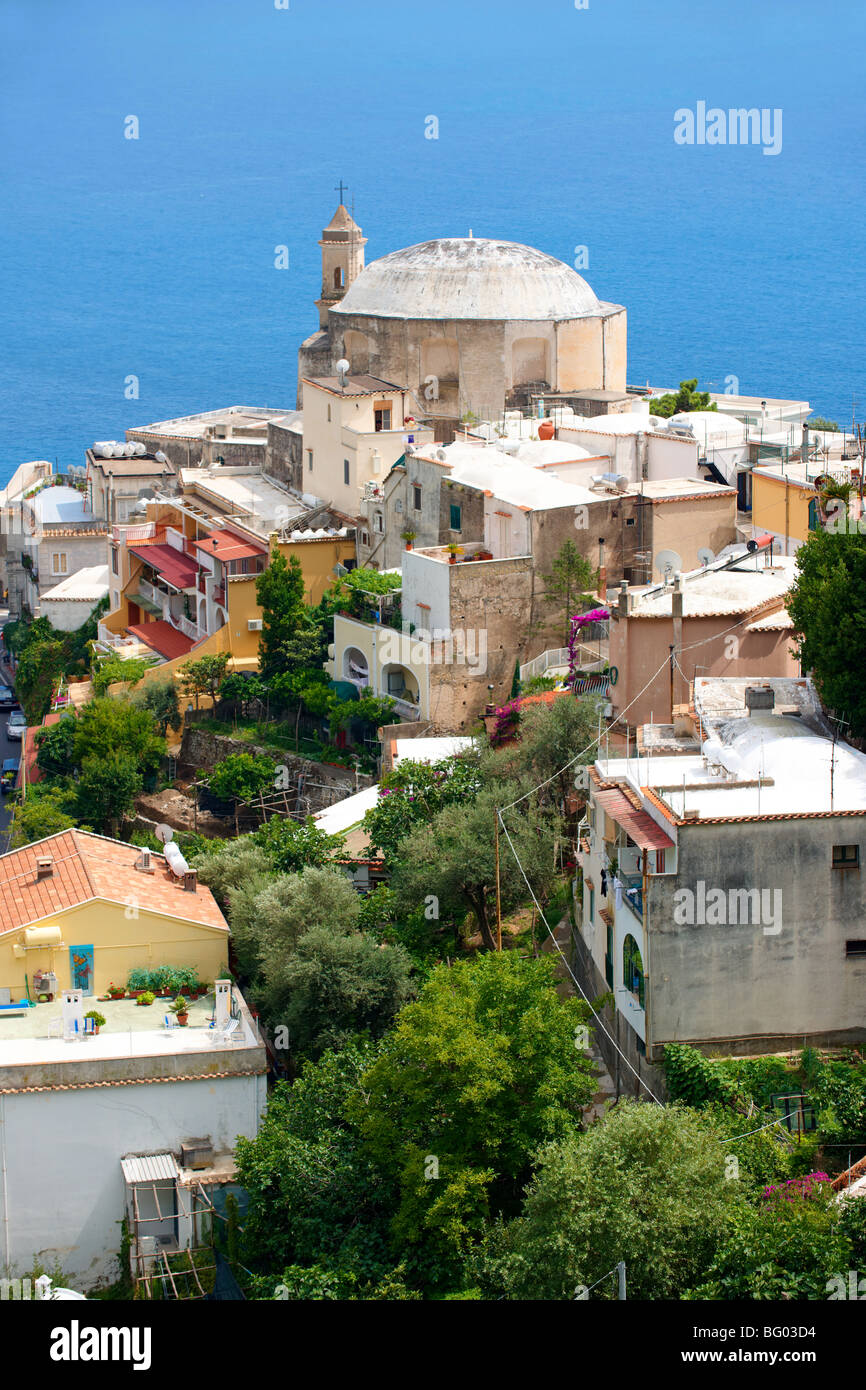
(342, 372)
(705, 555)
(668, 562)
(164, 833)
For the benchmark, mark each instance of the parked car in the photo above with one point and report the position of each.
(7, 697)
(16, 724)
(9, 774)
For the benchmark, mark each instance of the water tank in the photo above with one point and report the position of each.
(175, 859)
(43, 936)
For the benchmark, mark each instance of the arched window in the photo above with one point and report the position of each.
(632, 969)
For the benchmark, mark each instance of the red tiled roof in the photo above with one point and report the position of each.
(637, 824)
(177, 569)
(163, 638)
(229, 546)
(87, 867)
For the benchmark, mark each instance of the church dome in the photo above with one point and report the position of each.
(469, 278)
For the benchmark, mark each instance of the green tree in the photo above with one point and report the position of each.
(240, 777)
(570, 583)
(292, 845)
(412, 793)
(160, 697)
(40, 666)
(688, 397)
(232, 864)
(820, 423)
(204, 676)
(452, 858)
(55, 747)
(106, 790)
(551, 737)
(46, 811)
(241, 690)
(647, 1184)
(315, 1197)
(828, 609)
(477, 1073)
(109, 725)
(280, 593)
(337, 985)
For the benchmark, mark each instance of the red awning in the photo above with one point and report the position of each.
(172, 565)
(163, 638)
(638, 825)
(229, 546)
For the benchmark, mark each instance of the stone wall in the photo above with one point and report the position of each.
(284, 456)
(324, 783)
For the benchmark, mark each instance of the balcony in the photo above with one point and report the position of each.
(219, 595)
(184, 625)
(632, 893)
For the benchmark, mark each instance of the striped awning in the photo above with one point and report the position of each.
(638, 825)
(149, 1168)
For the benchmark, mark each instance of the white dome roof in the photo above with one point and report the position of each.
(469, 278)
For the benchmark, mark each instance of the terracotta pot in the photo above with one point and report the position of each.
(546, 429)
(452, 559)
(182, 1019)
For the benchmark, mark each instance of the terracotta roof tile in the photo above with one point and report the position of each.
(87, 867)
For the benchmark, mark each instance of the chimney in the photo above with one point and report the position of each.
(677, 596)
(189, 881)
(623, 599)
(44, 866)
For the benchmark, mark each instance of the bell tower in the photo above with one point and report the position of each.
(342, 258)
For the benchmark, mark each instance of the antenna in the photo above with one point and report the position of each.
(667, 562)
(164, 833)
(342, 372)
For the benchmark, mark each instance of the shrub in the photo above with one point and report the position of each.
(138, 979)
(146, 998)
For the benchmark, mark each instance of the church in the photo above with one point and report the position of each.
(469, 326)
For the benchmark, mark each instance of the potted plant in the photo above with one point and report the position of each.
(137, 982)
(116, 991)
(146, 998)
(408, 536)
(453, 551)
(180, 1009)
(98, 1019)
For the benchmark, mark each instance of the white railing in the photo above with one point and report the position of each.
(147, 590)
(189, 629)
(406, 709)
(554, 656)
(145, 532)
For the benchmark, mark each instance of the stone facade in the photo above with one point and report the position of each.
(284, 456)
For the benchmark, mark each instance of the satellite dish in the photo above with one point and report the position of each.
(667, 562)
(705, 555)
(164, 833)
(160, 456)
(342, 371)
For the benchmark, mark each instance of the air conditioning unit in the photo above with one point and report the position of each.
(254, 624)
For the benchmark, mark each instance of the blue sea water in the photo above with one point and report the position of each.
(154, 257)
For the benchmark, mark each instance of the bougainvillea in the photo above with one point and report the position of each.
(578, 623)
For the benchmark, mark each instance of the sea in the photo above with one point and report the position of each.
(168, 167)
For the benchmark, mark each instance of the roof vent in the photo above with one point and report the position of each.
(190, 880)
(44, 866)
(760, 697)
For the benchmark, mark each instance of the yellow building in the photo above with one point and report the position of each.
(785, 501)
(89, 910)
(185, 587)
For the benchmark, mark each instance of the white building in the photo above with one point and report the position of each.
(70, 603)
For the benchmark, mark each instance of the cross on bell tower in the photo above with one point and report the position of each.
(342, 246)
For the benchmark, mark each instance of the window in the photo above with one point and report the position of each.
(365, 538)
(591, 905)
(855, 948)
(629, 521)
(58, 562)
(660, 861)
(416, 497)
(329, 412)
(608, 956)
(377, 522)
(382, 416)
(115, 564)
(309, 460)
(339, 278)
(456, 514)
(632, 969)
(346, 472)
(846, 856)
(814, 516)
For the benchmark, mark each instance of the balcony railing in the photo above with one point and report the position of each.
(219, 595)
(632, 893)
(185, 625)
(406, 709)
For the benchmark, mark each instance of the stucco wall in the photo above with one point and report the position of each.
(64, 1202)
(738, 983)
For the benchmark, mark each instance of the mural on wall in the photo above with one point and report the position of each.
(81, 968)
